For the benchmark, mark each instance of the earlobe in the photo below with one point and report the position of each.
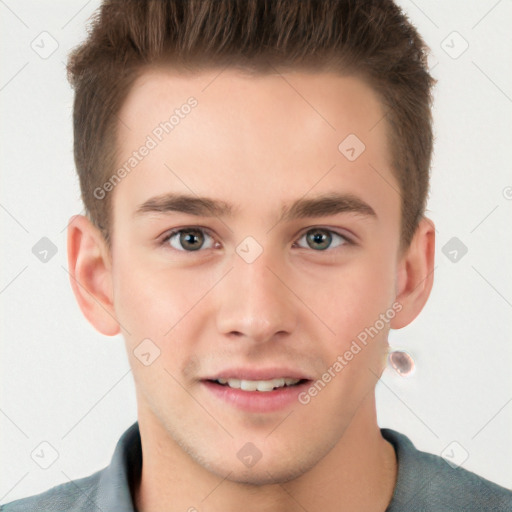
(90, 274)
(415, 274)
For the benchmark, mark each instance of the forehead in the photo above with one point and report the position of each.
(272, 137)
(320, 100)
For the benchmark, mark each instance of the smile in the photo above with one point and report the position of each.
(256, 396)
(258, 385)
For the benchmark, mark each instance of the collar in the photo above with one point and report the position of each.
(116, 483)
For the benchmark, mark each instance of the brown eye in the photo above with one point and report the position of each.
(318, 239)
(189, 239)
(321, 239)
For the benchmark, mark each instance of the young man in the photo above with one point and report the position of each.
(255, 175)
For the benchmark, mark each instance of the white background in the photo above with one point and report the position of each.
(65, 384)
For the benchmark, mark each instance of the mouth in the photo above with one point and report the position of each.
(264, 392)
(263, 386)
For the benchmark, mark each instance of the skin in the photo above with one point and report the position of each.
(260, 144)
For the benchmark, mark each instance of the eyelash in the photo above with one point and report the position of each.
(345, 239)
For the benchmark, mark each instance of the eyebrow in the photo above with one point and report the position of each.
(321, 206)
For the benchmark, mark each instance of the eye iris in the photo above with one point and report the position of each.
(323, 238)
(191, 239)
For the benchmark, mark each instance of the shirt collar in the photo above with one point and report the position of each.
(116, 483)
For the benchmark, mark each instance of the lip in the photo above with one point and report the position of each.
(256, 401)
(260, 374)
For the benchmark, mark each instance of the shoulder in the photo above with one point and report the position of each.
(427, 482)
(78, 494)
(105, 490)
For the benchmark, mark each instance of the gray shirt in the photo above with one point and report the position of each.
(425, 482)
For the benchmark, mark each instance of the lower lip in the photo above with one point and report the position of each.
(257, 401)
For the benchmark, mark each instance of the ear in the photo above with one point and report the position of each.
(90, 273)
(415, 274)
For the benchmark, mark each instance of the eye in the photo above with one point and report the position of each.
(189, 239)
(321, 239)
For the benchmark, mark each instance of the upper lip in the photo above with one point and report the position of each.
(259, 374)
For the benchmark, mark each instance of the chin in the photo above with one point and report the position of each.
(264, 472)
(264, 476)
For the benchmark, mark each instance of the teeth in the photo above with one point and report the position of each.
(247, 385)
(258, 385)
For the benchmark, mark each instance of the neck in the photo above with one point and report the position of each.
(359, 473)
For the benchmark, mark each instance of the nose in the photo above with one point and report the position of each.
(254, 301)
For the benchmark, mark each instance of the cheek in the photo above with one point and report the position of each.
(355, 299)
(162, 304)
(152, 307)
(148, 300)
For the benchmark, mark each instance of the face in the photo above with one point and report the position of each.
(277, 272)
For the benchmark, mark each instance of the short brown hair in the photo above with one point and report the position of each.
(372, 39)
